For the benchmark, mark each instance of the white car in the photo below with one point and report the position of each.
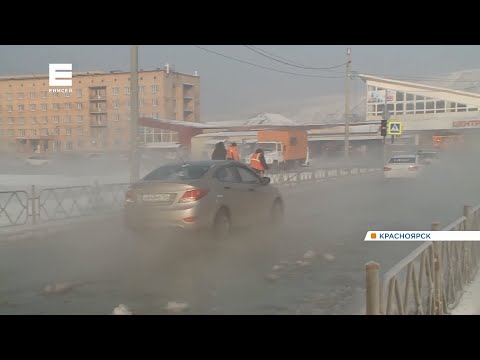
(402, 167)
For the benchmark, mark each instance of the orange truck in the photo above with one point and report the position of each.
(284, 148)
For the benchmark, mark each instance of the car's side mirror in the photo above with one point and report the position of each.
(266, 180)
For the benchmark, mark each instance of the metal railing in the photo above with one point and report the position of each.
(50, 204)
(306, 175)
(431, 279)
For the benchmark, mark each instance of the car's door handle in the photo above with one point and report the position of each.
(226, 187)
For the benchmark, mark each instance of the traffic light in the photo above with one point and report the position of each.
(383, 128)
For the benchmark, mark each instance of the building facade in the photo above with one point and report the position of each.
(421, 107)
(95, 114)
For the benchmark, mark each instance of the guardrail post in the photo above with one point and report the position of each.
(373, 288)
(438, 279)
(34, 208)
(468, 213)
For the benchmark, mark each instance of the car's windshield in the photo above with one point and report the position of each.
(178, 172)
(429, 155)
(267, 146)
(402, 160)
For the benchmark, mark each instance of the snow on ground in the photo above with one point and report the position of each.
(470, 301)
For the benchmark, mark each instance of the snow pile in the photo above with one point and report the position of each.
(470, 301)
(270, 119)
(122, 310)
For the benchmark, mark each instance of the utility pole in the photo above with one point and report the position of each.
(347, 104)
(134, 158)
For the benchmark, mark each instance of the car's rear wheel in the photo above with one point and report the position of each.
(222, 225)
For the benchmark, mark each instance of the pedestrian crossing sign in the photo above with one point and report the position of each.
(395, 128)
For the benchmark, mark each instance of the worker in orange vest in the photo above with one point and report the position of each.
(232, 152)
(257, 162)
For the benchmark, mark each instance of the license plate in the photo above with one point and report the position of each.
(156, 197)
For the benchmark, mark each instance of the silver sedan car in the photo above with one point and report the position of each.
(198, 195)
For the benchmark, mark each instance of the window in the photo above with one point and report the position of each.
(400, 96)
(116, 117)
(44, 132)
(33, 119)
(154, 102)
(115, 91)
(79, 118)
(56, 131)
(9, 96)
(44, 107)
(21, 120)
(78, 93)
(68, 145)
(115, 104)
(21, 107)
(56, 106)
(420, 106)
(80, 131)
(127, 90)
(79, 106)
(33, 107)
(430, 105)
(402, 160)
(142, 89)
(142, 102)
(154, 89)
(420, 98)
(410, 97)
(21, 95)
(56, 119)
(44, 119)
(68, 131)
(228, 174)
(58, 145)
(21, 132)
(469, 109)
(156, 115)
(11, 132)
(410, 108)
(178, 172)
(10, 120)
(43, 94)
(247, 176)
(33, 132)
(118, 130)
(390, 107)
(55, 94)
(293, 141)
(67, 106)
(9, 108)
(399, 109)
(67, 94)
(32, 94)
(68, 119)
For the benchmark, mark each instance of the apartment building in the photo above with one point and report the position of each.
(94, 115)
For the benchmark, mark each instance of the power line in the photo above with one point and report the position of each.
(265, 67)
(264, 53)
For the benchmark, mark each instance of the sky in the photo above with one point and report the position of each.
(229, 87)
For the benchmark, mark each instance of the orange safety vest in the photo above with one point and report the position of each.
(255, 162)
(232, 153)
